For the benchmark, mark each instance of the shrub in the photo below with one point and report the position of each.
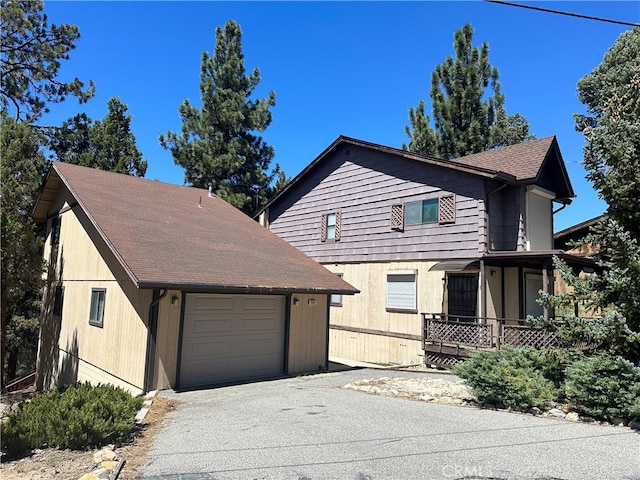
(75, 417)
(511, 378)
(604, 387)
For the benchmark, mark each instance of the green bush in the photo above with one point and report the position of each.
(75, 417)
(604, 387)
(511, 378)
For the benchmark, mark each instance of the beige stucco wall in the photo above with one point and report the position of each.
(307, 333)
(72, 350)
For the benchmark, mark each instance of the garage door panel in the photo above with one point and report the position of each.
(205, 302)
(261, 303)
(221, 345)
(203, 325)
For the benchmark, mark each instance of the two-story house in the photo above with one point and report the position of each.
(431, 244)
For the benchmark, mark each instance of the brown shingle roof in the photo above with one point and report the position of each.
(523, 160)
(173, 236)
(515, 163)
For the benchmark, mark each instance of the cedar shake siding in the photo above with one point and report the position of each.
(362, 185)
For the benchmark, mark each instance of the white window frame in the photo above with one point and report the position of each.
(96, 310)
(402, 290)
(335, 299)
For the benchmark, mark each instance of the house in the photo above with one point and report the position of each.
(445, 253)
(563, 240)
(154, 286)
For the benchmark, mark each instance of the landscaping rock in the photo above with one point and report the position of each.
(556, 413)
(573, 416)
(634, 424)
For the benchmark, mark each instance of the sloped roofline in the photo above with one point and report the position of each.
(324, 282)
(40, 214)
(342, 139)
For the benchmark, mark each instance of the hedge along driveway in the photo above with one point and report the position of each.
(310, 428)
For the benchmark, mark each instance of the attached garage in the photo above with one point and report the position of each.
(231, 337)
(196, 292)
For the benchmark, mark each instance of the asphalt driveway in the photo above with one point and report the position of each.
(309, 428)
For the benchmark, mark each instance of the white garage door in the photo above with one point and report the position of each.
(231, 337)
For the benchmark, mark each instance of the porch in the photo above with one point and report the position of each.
(448, 339)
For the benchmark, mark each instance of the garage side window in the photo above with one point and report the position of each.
(96, 314)
(402, 291)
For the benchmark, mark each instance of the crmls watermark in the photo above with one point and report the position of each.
(466, 471)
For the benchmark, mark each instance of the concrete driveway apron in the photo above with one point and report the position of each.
(309, 428)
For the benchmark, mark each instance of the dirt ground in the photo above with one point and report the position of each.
(51, 463)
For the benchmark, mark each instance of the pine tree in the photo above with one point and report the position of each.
(107, 144)
(465, 120)
(219, 145)
(611, 127)
(31, 58)
(22, 169)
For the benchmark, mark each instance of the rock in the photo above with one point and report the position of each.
(619, 421)
(535, 411)
(109, 464)
(426, 397)
(89, 476)
(556, 413)
(634, 424)
(572, 416)
(141, 414)
(101, 474)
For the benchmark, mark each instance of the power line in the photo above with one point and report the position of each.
(559, 12)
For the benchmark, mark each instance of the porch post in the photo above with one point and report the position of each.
(545, 287)
(483, 293)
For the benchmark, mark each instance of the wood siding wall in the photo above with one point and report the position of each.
(505, 211)
(71, 349)
(307, 333)
(363, 329)
(167, 341)
(363, 185)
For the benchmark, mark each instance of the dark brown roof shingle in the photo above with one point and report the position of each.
(176, 236)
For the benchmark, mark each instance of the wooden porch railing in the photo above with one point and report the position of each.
(484, 333)
(446, 339)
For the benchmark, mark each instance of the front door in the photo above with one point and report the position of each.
(462, 296)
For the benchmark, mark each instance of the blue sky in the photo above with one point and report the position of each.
(337, 68)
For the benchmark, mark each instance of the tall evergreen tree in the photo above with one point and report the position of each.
(611, 127)
(31, 58)
(21, 171)
(219, 145)
(465, 120)
(107, 145)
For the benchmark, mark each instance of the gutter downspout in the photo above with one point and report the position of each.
(152, 332)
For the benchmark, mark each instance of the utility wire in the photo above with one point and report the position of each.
(559, 12)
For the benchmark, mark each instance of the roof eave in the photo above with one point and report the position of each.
(247, 289)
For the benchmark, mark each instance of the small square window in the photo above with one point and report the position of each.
(96, 314)
(335, 300)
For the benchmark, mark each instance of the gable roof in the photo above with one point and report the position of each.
(171, 236)
(520, 163)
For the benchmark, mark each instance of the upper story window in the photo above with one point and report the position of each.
(55, 231)
(330, 227)
(434, 210)
(96, 314)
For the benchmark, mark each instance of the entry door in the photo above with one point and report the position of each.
(462, 295)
